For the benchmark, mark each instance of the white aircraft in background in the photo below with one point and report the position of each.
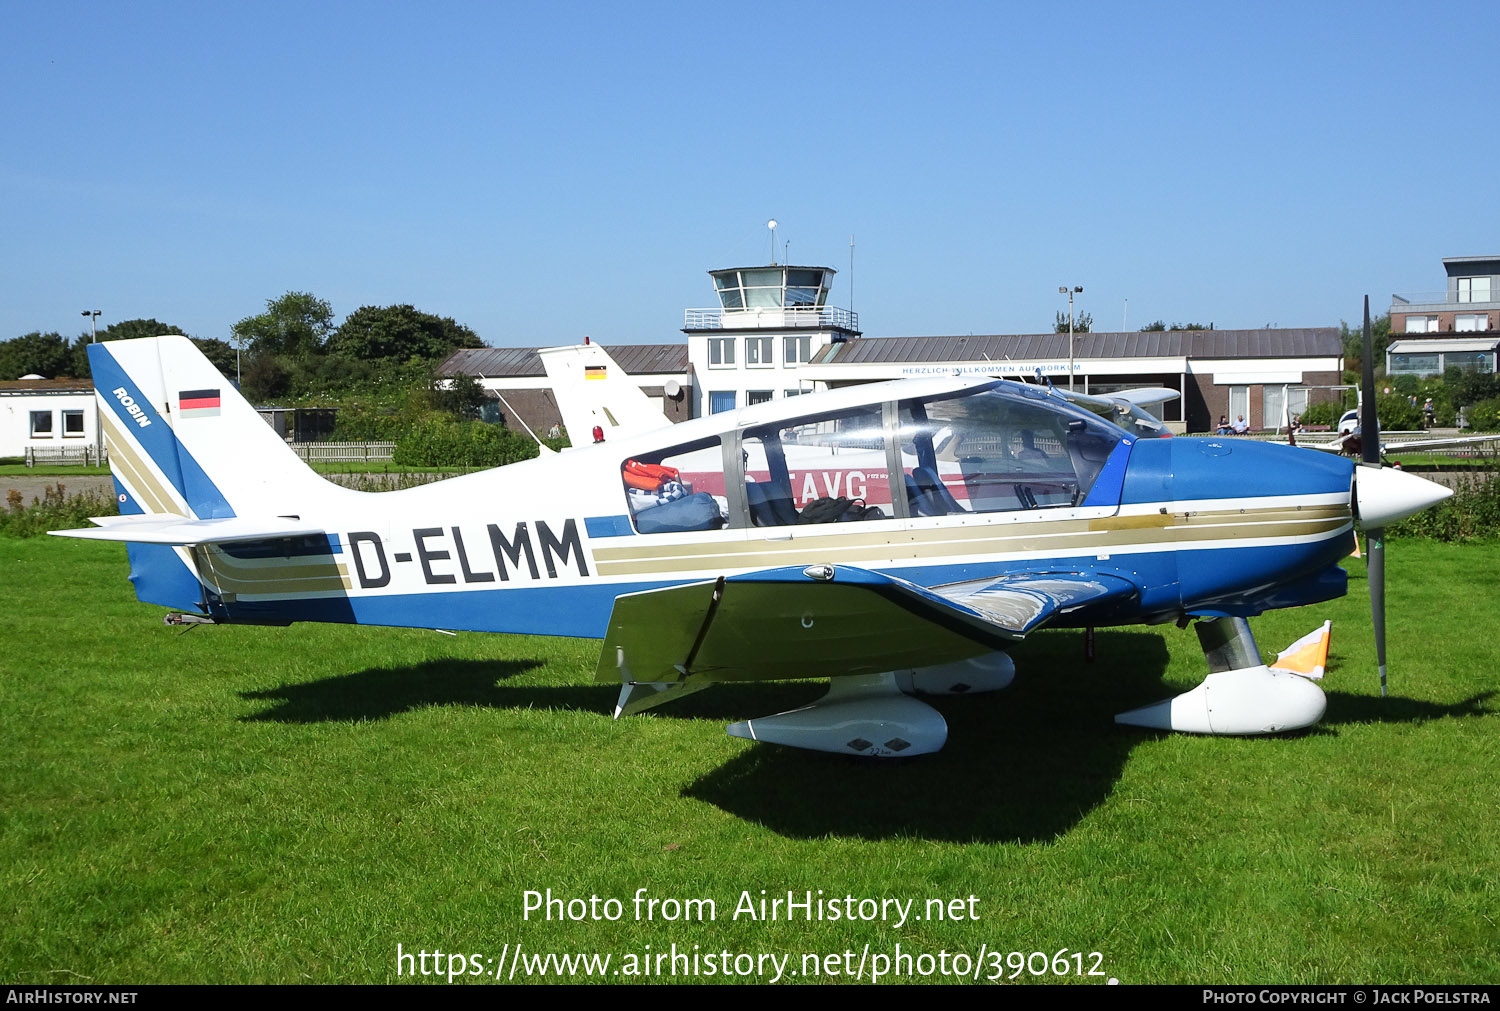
(1347, 439)
(893, 537)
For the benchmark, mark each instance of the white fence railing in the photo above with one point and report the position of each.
(344, 452)
(771, 317)
(67, 456)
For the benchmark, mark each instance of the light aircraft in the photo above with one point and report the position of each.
(894, 537)
(1348, 439)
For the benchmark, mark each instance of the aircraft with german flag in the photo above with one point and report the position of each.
(894, 537)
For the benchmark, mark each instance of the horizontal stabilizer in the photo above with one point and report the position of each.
(169, 528)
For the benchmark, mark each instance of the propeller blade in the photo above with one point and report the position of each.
(1376, 569)
(1369, 423)
(1369, 418)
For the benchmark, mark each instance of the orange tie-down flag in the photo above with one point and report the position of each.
(1307, 656)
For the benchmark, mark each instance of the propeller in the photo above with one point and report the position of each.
(1382, 495)
(1369, 424)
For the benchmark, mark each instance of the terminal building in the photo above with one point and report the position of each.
(773, 335)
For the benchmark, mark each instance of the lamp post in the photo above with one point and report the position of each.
(1070, 292)
(93, 315)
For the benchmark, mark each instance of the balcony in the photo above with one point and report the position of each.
(821, 317)
(1438, 301)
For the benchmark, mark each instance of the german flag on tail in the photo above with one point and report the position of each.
(197, 403)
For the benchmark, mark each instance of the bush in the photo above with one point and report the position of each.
(1397, 414)
(1472, 514)
(440, 441)
(362, 424)
(1320, 414)
(55, 510)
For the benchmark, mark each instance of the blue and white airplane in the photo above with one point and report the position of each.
(894, 537)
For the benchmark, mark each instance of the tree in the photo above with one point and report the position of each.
(295, 324)
(220, 353)
(1082, 323)
(129, 329)
(372, 333)
(1157, 327)
(44, 354)
(1354, 341)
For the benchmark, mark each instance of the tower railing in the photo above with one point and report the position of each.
(718, 318)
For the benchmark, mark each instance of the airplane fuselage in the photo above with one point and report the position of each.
(1199, 526)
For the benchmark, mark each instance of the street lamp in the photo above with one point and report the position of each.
(93, 315)
(1070, 292)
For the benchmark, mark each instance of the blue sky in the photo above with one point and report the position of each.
(542, 172)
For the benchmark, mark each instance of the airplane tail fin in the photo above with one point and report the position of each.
(193, 464)
(183, 441)
(592, 390)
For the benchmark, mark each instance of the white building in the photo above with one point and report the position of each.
(48, 417)
(770, 321)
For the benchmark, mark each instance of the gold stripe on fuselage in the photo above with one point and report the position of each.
(270, 576)
(1056, 537)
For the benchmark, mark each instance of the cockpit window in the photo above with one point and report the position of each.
(677, 490)
(990, 452)
(828, 469)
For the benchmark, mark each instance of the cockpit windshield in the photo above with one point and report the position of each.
(984, 450)
(987, 451)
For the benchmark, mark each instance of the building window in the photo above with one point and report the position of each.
(1239, 405)
(1473, 289)
(718, 403)
(798, 350)
(758, 352)
(1470, 361)
(1416, 365)
(1471, 321)
(793, 393)
(721, 352)
(72, 424)
(1421, 324)
(1280, 404)
(754, 397)
(41, 424)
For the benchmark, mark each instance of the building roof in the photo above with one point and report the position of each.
(46, 386)
(1312, 342)
(496, 363)
(1432, 345)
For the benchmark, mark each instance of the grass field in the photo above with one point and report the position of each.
(287, 805)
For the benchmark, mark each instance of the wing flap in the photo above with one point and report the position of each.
(822, 621)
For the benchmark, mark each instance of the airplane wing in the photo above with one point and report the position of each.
(169, 528)
(828, 621)
(1137, 411)
(1412, 446)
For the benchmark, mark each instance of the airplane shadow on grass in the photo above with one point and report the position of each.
(1022, 765)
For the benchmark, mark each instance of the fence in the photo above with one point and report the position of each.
(68, 456)
(344, 452)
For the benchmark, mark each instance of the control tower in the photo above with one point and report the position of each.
(769, 320)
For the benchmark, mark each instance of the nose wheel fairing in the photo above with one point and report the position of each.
(1240, 696)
